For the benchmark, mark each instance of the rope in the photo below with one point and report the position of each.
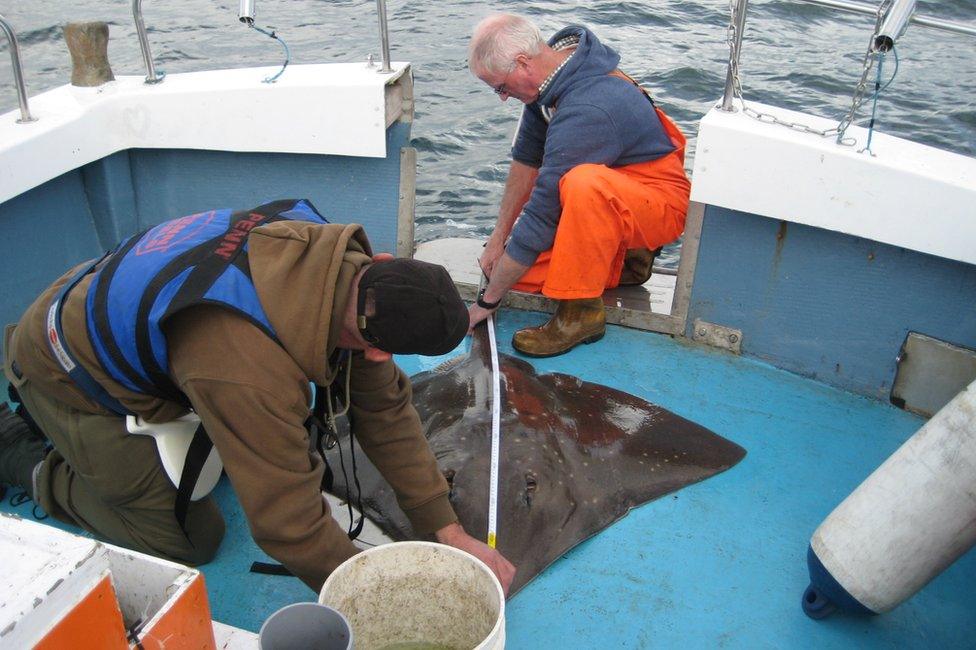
(18, 499)
(878, 89)
(272, 34)
(894, 73)
(874, 104)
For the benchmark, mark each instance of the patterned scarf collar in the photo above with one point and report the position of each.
(561, 44)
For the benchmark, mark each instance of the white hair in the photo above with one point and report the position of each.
(498, 39)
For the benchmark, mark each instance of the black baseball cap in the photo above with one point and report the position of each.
(417, 308)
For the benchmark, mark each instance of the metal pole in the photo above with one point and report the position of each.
(894, 25)
(25, 115)
(739, 24)
(944, 25)
(384, 37)
(935, 23)
(845, 5)
(151, 77)
(246, 14)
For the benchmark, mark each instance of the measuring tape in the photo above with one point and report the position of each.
(496, 417)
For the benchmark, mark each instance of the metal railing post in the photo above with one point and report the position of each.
(935, 23)
(894, 25)
(25, 115)
(151, 77)
(731, 77)
(384, 37)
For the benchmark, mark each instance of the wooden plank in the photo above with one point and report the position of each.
(183, 622)
(646, 307)
(95, 622)
(234, 638)
(48, 574)
(407, 202)
(398, 98)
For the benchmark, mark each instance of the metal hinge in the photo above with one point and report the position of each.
(718, 336)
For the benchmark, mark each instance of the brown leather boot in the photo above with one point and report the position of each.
(575, 322)
(638, 264)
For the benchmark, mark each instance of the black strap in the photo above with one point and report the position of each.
(269, 568)
(354, 530)
(317, 431)
(320, 431)
(328, 476)
(100, 317)
(484, 304)
(353, 534)
(323, 432)
(196, 458)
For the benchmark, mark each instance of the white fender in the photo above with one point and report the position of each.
(908, 521)
(173, 441)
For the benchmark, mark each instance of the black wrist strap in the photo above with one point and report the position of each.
(484, 304)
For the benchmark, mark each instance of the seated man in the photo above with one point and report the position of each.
(596, 183)
(231, 315)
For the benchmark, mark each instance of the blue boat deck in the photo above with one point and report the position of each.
(720, 563)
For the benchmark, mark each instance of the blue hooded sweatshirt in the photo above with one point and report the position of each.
(600, 119)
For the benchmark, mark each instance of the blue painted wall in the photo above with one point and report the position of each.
(826, 305)
(86, 211)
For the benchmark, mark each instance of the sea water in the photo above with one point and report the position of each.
(795, 55)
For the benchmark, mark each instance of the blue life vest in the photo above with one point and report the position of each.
(198, 259)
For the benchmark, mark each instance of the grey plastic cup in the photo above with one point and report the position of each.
(306, 626)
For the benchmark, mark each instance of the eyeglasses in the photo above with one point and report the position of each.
(502, 89)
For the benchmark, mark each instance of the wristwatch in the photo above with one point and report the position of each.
(484, 304)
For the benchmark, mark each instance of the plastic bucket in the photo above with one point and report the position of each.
(418, 595)
(302, 626)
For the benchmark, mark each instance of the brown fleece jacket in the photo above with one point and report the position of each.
(253, 393)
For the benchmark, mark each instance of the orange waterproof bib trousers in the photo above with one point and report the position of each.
(605, 211)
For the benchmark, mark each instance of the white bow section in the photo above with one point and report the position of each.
(907, 194)
(336, 108)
